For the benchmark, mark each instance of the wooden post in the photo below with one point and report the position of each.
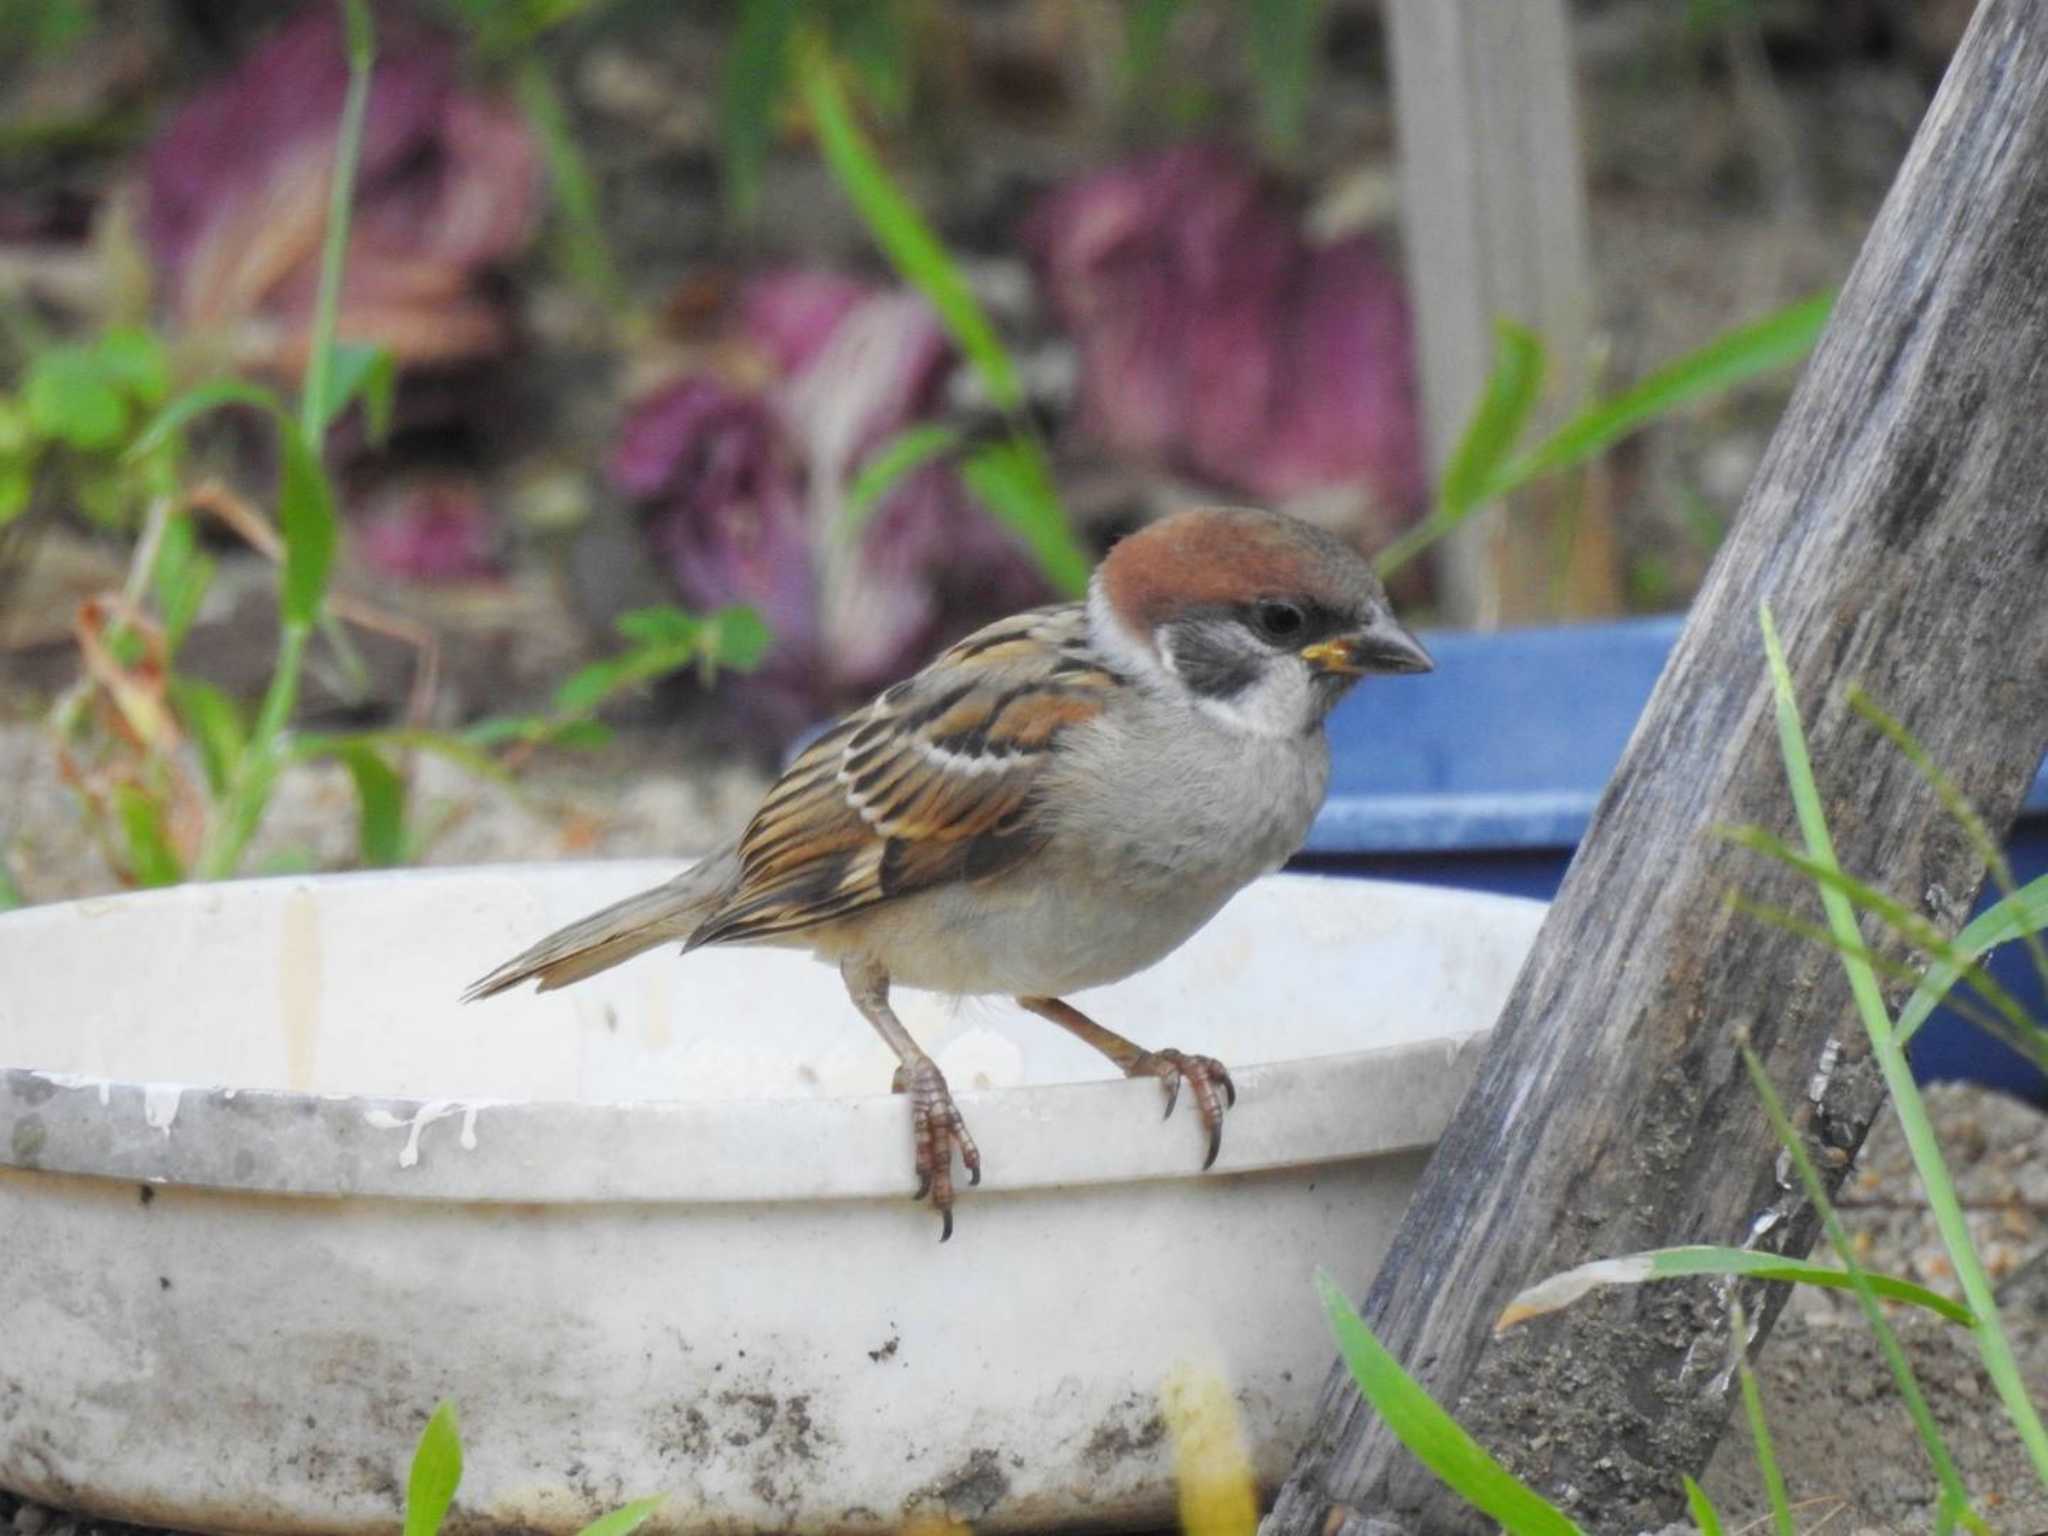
(1898, 527)
(1493, 222)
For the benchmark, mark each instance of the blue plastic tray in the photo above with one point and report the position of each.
(1485, 776)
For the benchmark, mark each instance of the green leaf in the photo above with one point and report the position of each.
(195, 402)
(581, 735)
(215, 723)
(1014, 482)
(1146, 24)
(584, 250)
(10, 893)
(1434, 1438)
(380, 802)
(1284, 38)
(591, 685)
(624, 1521)
(305, 512)
(751, 93)
(182, 576)
(1704, 1515)
(1562, 1290)
(873, 36)
(1729, 359)
(150, 853)
(736, 637)
(463, 750)
(913, 250)
(17, 485)
(17, 441)
(436, 1473)
(70, 397)
(2015, 916)
(909, 450)
(137, 361)
(357, 369)
(664, 624)
(1496, 425)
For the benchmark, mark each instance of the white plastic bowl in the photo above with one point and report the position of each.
(268, 1191)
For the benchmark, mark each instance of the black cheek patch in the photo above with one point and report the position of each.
(1211, 661)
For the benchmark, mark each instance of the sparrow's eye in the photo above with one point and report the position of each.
(1278, 621)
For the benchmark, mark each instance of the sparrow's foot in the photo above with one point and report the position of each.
(936, 1132)
(1208, 1081)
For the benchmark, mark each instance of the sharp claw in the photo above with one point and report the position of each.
(1172, 1094)
(946, 1231)
(973, 1174)
(924, 1186)
(1215, 1146)
(1229, 1089)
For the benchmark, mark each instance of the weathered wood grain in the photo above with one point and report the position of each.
(1899, 529)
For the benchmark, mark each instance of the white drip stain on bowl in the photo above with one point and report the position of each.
(160, 1105)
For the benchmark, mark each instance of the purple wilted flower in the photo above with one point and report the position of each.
(237, 188)
(429, 529)
(744, 491)
(1216, 340)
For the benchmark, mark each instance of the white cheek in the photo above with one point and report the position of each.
(1281, 703)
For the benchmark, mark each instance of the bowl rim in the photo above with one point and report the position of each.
(1380, 1101)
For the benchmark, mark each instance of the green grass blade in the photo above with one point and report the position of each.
(361, 37)
(1435, 1439)
(436, 1473)
(585, 251)
(154, 861)
(1729, 359)
(906, 452)
(358, 369)
(1959, 808)
(1562, 1290)
(1759, 1427)
(624, 1520)
(1013, 480)
(214, 722)
(1992, 1344)
(380, 803)
(2014, 1023)
(913, 250)
(1868, 1287)
(1146, 25)
(1497, 424)
(305, 510)
(1815, 933)
(1704, 1515)
(2023, 912)
(1284, 35)
(751, 92)
(196, 402)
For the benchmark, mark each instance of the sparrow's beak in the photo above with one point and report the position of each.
(1382, 646)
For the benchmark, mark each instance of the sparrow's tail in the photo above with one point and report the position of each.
(670, 912)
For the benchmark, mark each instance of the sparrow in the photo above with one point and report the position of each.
(1055, 803)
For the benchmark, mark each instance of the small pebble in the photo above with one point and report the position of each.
(30, 1518)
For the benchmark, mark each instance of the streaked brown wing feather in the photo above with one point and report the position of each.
(934, 781)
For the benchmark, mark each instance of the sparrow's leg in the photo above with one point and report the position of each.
(1207, 1078)
(936, 1128)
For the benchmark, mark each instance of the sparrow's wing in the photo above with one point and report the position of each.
(937, 780)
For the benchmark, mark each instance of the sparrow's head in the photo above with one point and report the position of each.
(1263, 619)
